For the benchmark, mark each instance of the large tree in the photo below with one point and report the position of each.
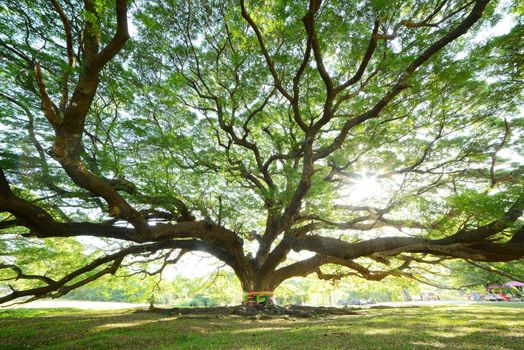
(375, 138)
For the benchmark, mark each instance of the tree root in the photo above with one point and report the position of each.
(258, 312)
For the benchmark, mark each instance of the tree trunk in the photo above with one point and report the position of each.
(257, 288)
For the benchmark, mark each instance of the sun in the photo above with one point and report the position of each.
(363, 189)
(366, 188)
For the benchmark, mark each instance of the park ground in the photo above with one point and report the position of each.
(475, 327)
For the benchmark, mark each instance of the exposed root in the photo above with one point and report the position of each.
(258, 312)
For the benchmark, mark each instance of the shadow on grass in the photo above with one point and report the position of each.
(472, 327)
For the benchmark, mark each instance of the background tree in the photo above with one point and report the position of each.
(375, 137)
(478, 276)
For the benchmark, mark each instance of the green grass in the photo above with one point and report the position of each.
(472, 327)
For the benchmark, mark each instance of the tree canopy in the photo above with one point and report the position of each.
(284, 138)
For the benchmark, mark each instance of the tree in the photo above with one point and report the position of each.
(374, 137)
(480, 275)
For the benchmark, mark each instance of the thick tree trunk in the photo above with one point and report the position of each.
(257, 287)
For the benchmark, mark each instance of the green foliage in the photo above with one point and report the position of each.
(216, 289)
(478, 276)
(312, 291)
(484, 207)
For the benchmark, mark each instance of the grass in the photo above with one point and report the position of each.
(472, 327)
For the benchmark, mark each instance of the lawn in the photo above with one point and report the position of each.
(454, 327)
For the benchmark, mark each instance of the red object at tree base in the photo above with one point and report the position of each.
(258, 298)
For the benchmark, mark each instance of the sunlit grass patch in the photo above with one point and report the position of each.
(470, 327)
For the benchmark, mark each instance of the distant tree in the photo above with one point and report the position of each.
(480, 275)
(377, 137)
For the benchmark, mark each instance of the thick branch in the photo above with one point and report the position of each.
(402, 83)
